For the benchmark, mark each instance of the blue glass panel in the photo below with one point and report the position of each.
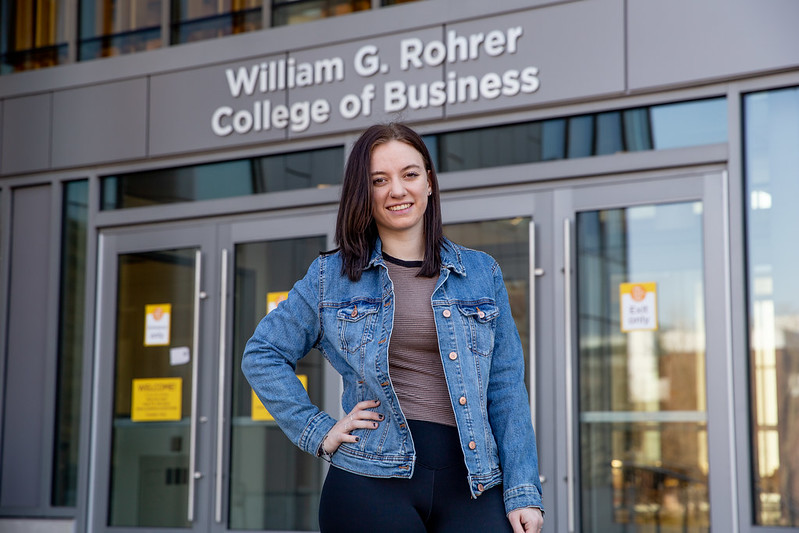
(553, 139)
(581, 136)
(74, 230)
(771, 154)
(689, 123)
(226, 179)
(609, 133)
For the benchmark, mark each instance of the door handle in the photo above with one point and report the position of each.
(199, 295)
(567, 321)
(534, 272)
(533, 386)
(220, 400)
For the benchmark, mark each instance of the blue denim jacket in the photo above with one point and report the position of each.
(351, 323)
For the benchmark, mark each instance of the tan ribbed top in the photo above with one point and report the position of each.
(413, 358)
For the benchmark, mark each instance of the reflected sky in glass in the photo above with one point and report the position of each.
(771, 153)
(689, 123)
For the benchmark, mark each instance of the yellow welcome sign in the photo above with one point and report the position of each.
(156, 399)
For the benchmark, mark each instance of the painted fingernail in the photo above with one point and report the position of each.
(380, 417)
(357, 439)
(374, 424)
(377, 402)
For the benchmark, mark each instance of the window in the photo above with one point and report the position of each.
(226, 179)
(630, 130)
(32, 34)
(771, 152)
(74, 219)
(115, 27)
(195, 20)
(285, 12)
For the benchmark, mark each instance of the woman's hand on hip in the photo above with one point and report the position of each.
(361, 417)
(526, 520)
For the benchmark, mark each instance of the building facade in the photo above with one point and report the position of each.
(632, 165)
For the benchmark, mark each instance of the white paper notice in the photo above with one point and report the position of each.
(179, 355)
(638, 306)
(156, 324)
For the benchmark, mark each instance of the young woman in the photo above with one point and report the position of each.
(437, 435)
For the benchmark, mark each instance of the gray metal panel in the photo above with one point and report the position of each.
(24, 418)
(235, 97)
(182, 105)
(26, 134)
(685, 41)
(100, 123)
(577, 50)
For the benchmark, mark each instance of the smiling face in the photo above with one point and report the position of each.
(400, 188)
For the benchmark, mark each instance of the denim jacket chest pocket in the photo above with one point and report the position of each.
(479, 319)
(356, 324)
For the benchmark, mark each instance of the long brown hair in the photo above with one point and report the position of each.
(356, 230)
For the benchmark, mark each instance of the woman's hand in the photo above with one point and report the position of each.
(526, 520)
(359, 418)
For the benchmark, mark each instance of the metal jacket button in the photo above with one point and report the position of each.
(453, 355)
(480, 487)
(446, 313)
(354, 312)
(480, 313)
(462, 400)
(472, 445)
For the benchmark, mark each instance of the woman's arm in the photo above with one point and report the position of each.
(270, 358)
(509, 409)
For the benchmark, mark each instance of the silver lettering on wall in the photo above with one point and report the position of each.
(396, 95)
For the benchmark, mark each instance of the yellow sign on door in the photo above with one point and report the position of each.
(156, 399)
(260, 413)
(639, 310)
(157, 319)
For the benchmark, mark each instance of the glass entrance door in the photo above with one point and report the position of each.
(268, 484)
(153, 364)
(181, 442)
(645, 340)
(273, 484)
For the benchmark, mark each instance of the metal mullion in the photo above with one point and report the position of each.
(71, 31)
(166, 33)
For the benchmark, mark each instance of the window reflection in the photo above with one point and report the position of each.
(194, 20)
(771, 137)
(150, 456)
(286, 12)
(651, 128)
(70, 343)
(32, 34)
(642, 397)
(273, 484)
(298, 170)
(114, 27)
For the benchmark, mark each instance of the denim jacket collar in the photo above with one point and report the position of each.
(450, 257)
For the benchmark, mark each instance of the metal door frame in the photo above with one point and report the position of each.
(711, 188)
(110, 245)
(240, 231)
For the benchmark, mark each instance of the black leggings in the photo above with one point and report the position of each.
(436, 499)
